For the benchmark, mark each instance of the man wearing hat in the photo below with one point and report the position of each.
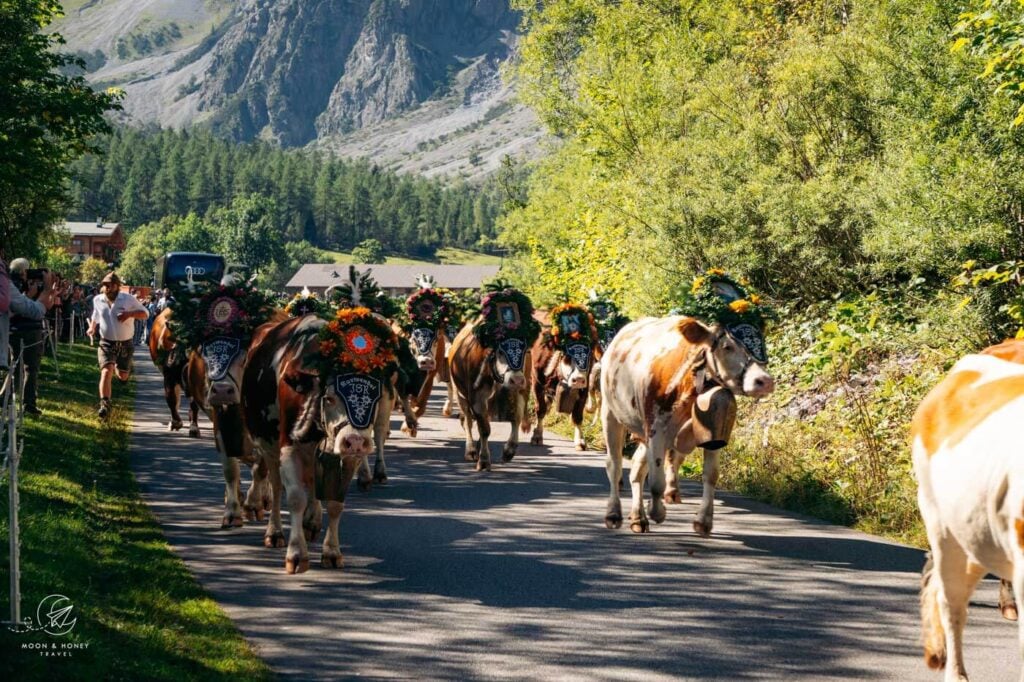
(114, 313)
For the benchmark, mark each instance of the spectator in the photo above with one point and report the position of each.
(113, 316)
(26, 329)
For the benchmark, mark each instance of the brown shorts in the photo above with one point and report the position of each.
(117, 353)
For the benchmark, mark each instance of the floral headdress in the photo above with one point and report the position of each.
(221, 311)
(357, 341)
(607, 316)
(304, 303)
(428, 308)
(717, 298)
(572, 323)
(361, 290)
(505, 313)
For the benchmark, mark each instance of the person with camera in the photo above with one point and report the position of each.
(113, 317)
(26, 325)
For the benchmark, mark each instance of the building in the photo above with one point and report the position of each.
(395, 280)
(96, 240)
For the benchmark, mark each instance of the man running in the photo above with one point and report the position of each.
(114, 314)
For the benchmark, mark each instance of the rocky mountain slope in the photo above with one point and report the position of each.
(415, 84)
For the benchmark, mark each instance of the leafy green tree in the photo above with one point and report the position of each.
(249, 231)
(369, 251)
(58, 260)
(93, 270)
(995, 30)
(47, 119)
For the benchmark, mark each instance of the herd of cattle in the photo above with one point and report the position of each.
(668, 383)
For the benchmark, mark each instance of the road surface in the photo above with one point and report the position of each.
(453, 574)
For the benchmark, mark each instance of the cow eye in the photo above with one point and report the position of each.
(330, 400)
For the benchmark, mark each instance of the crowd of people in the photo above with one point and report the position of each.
(39, 307)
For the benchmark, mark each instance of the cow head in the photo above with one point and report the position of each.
(348, 410)
(574, 365)
(224, 357)
(424, 347)
(509, 359)
(735, 356)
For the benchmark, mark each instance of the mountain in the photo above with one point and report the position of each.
(412, 84)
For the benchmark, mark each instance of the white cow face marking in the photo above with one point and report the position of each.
(733, 364)
(224, 359)
(348, 409)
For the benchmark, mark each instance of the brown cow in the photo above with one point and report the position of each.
(289, 410)
(489, 382)
(561, 378)
(171, 359)
(670, 382)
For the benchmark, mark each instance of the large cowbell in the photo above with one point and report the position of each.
(328, 477)
(218, 354)
(360, 393)
(515, 353)
(423, 339)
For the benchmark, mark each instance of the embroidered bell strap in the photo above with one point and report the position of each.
(218, 354)
(360, 393)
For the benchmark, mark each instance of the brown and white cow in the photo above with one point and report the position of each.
(670, 382)
(171, 359)
(561, 378)
(290, 410)
(969, 462)
(213, 377)
(430, 350)
(489, 383)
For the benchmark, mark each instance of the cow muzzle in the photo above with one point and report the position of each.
(515, 380)
(426, 364)
(350, 442)
(757, 383)
(222, 393)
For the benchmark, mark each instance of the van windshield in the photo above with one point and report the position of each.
(203, 267)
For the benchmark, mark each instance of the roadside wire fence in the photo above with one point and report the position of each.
(11, 447)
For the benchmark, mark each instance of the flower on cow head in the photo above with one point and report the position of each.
(740, 306)
(428, 308)
(219, 311)
(505, 312)
(358, 341)
(572, 322)
(717, 298)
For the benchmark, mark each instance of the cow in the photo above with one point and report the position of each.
(671, 382)
(429, 350)
(290, 410)
(967, 456)
(489, 382)
(561, 377)
(170, 358)
(213, 377)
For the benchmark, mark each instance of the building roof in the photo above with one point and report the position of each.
(321, 276)
(91, 229)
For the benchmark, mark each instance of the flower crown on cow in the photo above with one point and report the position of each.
(429, 308)
(717, 298)
(505, 313)
(571, 323)
(607, 317)
(304, 303)
(224, 310)
(357, 341)
(361, 290)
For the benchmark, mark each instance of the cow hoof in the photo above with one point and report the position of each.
(640, 526)
(702, 529)
(365, 484)
(230, 521)
(175, 425)
(267, 503)
(472, 456)
(1009, 611)
(294, 565)
(193, 432)
(673, 497)
(613, 521)
(380, 478)
(537, 439)
(250, 514)
(311, 533)
(446, 412)
(508, 453)
(483, 466)
(331, 561)
(255, 513)
(274, 540)
(581, 447)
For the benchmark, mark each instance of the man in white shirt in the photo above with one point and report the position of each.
(113, 314)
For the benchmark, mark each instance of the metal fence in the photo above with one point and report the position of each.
(11, 446)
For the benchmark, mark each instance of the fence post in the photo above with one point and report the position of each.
(9, 420)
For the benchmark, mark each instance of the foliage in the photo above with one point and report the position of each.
(147, 175)
(47, 119)
(505, 313)
(147, 618)
(248, 231)
(92, 271)
(607, 317)
(358, 340)
(58, 260)
(306, 303)
(716, 297)
(233, 311)
(999, 289)
(368, 251)
(428, 308)
(996, 32)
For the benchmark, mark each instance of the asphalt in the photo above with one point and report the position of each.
(452, 574)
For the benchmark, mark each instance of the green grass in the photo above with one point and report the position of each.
(449, 256)
(86, 534)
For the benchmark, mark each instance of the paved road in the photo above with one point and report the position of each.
(453, 574)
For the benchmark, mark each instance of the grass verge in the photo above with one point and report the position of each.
(86, 534)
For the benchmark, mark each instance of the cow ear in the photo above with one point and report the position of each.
(695, 332)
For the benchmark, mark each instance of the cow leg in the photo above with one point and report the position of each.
(466, 419)
(638, 522)
(673, 460)
(483, 427)
(258, 498)
(518, 414)
(380, 434)
(577, 423)
(656, 451)
(446, 411)
(232, 480)
(705, 516)
(292, 475)
(1018, 587)
(1007, 603)
(540, 399)
(331, 553)
(173, 399)
(193, 418)
(614, 437)
(411, 417)
(274, 535)
(313, 520)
